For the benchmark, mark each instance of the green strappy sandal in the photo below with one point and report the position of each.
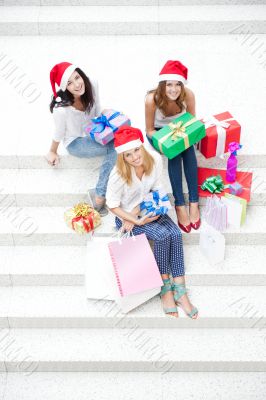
(180, 290)
(167, 287)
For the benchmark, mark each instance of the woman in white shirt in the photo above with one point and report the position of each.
(137, 172)
(73, 106)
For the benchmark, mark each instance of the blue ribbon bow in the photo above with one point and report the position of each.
(102, 122)
(153, 206)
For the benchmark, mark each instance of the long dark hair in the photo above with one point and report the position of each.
(87, 98)
(161, 100)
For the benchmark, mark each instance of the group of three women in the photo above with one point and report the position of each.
(130, 170)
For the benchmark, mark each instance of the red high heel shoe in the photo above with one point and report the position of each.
(195, 225)
(185, 228)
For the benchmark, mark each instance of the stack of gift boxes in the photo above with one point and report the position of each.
(227, 190)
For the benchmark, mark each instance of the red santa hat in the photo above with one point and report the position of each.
(127, 138)
(173, 71)
(60, 75)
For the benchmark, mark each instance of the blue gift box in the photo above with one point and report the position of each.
(235, 188)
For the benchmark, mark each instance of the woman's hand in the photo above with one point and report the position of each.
(52, 158)
(127, 226)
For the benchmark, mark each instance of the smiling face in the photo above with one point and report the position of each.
(173, 90)
(134, 157)
(75, 85)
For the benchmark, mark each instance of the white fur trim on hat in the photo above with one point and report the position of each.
(128, 146)
(66, 75)
(172, 77)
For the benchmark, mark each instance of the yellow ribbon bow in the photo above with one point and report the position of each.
(178, 130)
(82, 209)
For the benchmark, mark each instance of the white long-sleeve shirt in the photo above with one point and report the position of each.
(70, 122)
(120, 194)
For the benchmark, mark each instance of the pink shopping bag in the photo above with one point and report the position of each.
(135, 267)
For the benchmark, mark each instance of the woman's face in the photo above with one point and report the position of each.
(75, 85)
(173, 89)
(134, 157)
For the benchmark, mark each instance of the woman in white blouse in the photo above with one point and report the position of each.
(72, 106)
(137, 172)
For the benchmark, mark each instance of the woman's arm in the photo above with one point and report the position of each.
(59, 116)
(150, 108)
(131, 219)
(52, 156)
(190, 102)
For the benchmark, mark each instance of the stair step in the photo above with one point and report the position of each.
(132, 20)
(67, 307)
(59, 187)
(45, 226)
(135, 385)
(125, 2)
(44, 269)
(134, 350)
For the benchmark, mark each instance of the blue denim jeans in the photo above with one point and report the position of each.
(191, 173)
(85, 147)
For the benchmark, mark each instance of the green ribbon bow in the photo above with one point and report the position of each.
(214, 184)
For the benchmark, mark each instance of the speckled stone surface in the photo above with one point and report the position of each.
(67, 306)
(129, 386)
(126, 350)
(46, 226)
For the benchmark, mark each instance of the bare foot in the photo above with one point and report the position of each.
(182, 215)
(169, 302)
(194, 213)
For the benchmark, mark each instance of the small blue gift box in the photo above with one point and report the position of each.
(235, 188)
(155, 203)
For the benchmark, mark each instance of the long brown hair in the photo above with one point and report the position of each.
(161, 100)
(124, 169)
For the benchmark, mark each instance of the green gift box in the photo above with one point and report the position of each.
(179, 135)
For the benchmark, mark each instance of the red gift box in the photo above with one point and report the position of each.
(244, 178)
(221, 129)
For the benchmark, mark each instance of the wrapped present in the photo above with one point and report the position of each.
(244, 178)
(155, 203)
(214, 184)
(221, 129)
(82, 218)
(179, 135)
(236, 209)
(235, 189)
(215, 213)
(102, 128)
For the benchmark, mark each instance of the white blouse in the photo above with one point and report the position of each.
(70, 122)
(120, 194)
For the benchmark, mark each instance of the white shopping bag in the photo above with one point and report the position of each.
(100, 278)
(215, 213)
(212, 244)
(236, 209)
